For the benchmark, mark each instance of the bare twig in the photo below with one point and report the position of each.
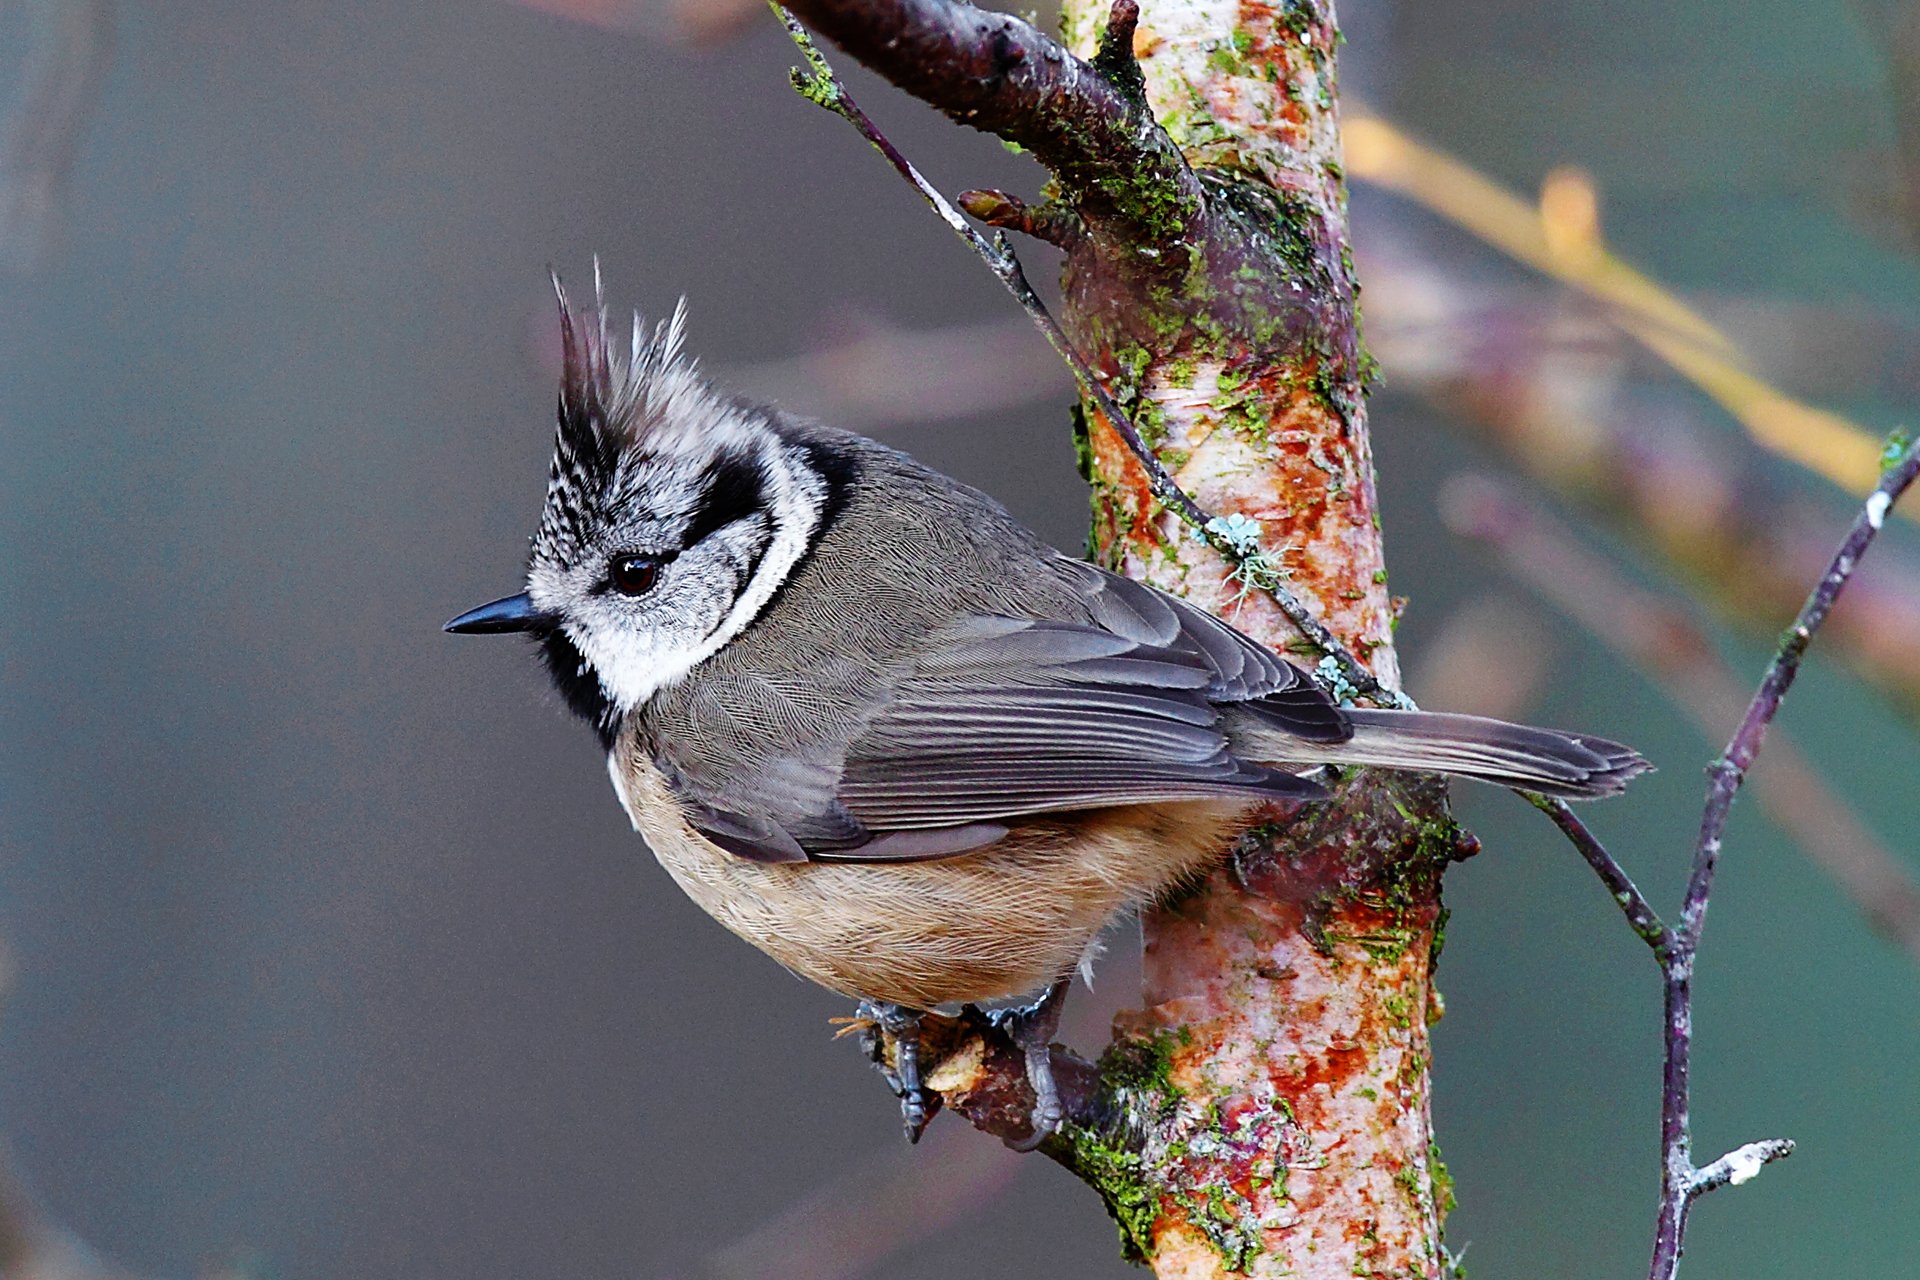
(1740, 1164)
(1731, 769)
(1640, 914)
(1661, 640)
(1681, 1181)
(1053, 223)
(819, 85)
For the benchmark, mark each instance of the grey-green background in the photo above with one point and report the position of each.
(330, 942)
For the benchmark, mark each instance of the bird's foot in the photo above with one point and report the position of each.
(884, 1022)
(1032, 1029)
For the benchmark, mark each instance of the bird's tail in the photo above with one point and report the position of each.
(1573, 765)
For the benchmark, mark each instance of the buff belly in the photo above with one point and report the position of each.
(1004, 921)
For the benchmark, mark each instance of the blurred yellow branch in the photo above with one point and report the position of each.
(1560, 237)
(1822, 442)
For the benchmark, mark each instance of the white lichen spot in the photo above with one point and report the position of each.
(1877, 508)
(1746, 1163)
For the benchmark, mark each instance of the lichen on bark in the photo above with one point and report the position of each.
(1291, 1002)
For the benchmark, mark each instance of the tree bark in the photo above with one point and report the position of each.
(1290, 1005)
(1266, 1112)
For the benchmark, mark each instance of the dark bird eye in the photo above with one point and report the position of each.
(633, 575)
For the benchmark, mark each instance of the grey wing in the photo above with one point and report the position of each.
(1244, 671)
(1010, 717)
(1014, 717)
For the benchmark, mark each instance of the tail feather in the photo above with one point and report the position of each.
(1573, 765)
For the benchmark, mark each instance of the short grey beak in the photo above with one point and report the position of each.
(514, 613)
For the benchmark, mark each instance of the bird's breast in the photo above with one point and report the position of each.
(1000, 922)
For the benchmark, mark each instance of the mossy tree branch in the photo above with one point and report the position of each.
(996, 72)
(1266, 1113)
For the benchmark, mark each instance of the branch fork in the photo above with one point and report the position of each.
(1674, 947)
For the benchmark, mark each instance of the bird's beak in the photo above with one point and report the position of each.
(514, 613)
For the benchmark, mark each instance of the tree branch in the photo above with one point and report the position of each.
(1661, 640)
(1267, 1112)
(1903, 462)
(995, 72)
(1681, 1182)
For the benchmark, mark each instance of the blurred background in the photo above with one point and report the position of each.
(329, 952)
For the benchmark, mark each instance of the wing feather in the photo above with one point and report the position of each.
(1242, 670)
(1006, 717)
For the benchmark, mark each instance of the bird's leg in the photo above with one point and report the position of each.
(902, 1026)
(1033, 1029)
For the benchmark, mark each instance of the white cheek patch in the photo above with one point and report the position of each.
(796, 498)
(633, 667)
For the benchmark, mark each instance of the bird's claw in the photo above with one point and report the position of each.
(1032, 1029)
(880, 1022)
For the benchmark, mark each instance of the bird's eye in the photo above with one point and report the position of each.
(633, 575)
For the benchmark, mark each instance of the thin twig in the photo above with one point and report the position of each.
(1660, 639)
(1731, 769)
(1740, 1164)
(819, 85)
(1640, 914)
(1681, 1181)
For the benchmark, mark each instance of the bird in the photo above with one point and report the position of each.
(876, 727)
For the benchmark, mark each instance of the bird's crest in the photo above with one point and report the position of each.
(609, 399)
(616, 403)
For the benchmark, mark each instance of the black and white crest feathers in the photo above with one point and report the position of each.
(611, 403)
(651, 463)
